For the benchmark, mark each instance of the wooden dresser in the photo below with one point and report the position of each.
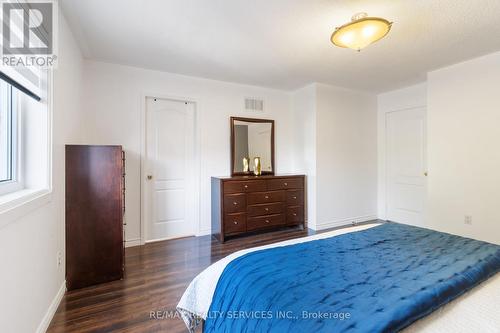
(244, 204)
(95, 197)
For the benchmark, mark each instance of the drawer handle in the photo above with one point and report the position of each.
(267, 197)
(294, 214)
(246, 186)
(235, 203)
(235, 222)
(266, 209)
(294, 198)
(286, 184)
(267, 221)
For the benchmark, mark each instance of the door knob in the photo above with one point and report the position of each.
(426, 173)
(150, 177)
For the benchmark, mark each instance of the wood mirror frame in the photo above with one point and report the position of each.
(233, 146)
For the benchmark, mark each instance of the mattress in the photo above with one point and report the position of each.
(472, 311)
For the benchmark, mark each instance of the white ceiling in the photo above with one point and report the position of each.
(284, 44)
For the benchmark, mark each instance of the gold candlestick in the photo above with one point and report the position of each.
(257, 170)
(246, 162)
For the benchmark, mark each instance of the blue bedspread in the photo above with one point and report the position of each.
(377, 280)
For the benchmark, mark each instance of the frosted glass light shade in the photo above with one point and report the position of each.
(361, 32)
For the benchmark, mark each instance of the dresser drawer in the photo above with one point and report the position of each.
(255, 223)
(244, 186)
(294, 214)
(235, 223)
(234, 203)
(294, 197)
(285, 183)
(266, 197)
(265, 209)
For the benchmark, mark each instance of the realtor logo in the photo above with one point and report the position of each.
(28, 33)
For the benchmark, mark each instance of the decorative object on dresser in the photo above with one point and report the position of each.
(251, 139)
(246, 165)
(257, 167)
(95, 194)
(251, 204)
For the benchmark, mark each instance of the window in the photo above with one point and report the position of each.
(9, 157)
(25, 144)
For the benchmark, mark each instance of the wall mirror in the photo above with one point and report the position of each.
(252, 138)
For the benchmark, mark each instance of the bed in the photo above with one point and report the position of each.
(372, 278)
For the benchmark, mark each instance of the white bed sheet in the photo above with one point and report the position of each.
(476, 311)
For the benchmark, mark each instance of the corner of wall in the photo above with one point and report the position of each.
(322, 112)
(304, 126)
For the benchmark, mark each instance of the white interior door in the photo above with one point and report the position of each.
(169, 169)
(406, 166)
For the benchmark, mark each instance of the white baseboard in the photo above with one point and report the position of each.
(346, 221)
(51, 311)
(132, 242)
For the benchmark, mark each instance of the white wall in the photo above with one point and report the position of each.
(346, 156)
(464, 148)
(113, 102)
(397, 100)
(30, 280)
(462, 103)
(304, 142)
(336, 146)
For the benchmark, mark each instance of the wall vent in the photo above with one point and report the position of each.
(254, 104)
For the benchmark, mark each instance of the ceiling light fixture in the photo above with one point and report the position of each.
(361, 32)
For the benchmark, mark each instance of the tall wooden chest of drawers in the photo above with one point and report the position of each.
(95, 204)
(254, 204)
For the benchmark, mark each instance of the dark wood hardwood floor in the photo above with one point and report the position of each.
(156, 276)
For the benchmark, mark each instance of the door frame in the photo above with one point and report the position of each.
(383, 157)
(196, 160)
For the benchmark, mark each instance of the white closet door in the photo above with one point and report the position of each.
(170, 159)
(406, 166)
